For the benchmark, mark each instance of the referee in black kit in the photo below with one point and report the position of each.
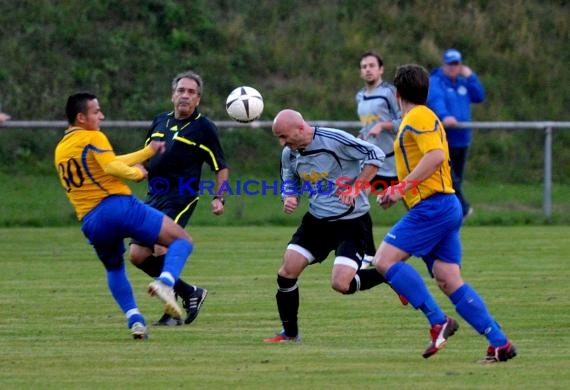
(174, 179)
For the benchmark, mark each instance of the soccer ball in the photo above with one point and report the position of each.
(244, 104)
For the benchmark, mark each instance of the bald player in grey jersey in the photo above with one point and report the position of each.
(330, 167)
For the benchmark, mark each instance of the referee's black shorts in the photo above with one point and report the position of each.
(179, 208)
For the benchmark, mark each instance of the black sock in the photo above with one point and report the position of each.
(365, 279)
(370, 247)
(183, 289)
(369, 244)
(288, 304)
(153, 265)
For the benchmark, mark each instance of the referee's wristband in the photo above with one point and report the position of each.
(221, 199)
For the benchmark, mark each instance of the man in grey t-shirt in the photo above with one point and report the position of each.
(333, 168)
(380, 116)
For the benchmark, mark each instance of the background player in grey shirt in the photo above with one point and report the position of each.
(380, 116)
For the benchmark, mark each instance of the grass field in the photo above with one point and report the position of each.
(61, 329)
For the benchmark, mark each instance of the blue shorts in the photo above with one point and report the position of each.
(116, 218)
(430, 230)
(179, 208)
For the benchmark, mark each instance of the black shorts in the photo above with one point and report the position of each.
(346, 237)
(178, 208)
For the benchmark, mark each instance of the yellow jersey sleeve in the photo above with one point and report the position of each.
(80, 159)
(122, 166)
(120, 169)
(420, 132)
(137, 157)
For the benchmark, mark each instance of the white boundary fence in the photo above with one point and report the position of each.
(545, 126)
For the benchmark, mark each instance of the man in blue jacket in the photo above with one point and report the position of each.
(452, 89)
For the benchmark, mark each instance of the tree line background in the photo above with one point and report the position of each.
(299, 54)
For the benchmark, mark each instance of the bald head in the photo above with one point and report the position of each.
(291, 129)
(286, 119)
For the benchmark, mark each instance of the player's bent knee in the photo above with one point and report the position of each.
(137, 254)
(171, 231)
(447, 277)
(341, 282)
(340, 287)
(448, 285)
(441, 284)
(289, 272)
(183, 234)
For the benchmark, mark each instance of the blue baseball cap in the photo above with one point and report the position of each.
(451, 55)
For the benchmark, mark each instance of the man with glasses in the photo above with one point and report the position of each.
(453, 87)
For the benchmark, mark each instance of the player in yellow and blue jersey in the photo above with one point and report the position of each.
(430, 229)
(92, 175)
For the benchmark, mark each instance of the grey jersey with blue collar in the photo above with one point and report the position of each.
(380, 106)
(325, 168)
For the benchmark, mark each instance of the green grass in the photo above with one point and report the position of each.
(61, 329)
